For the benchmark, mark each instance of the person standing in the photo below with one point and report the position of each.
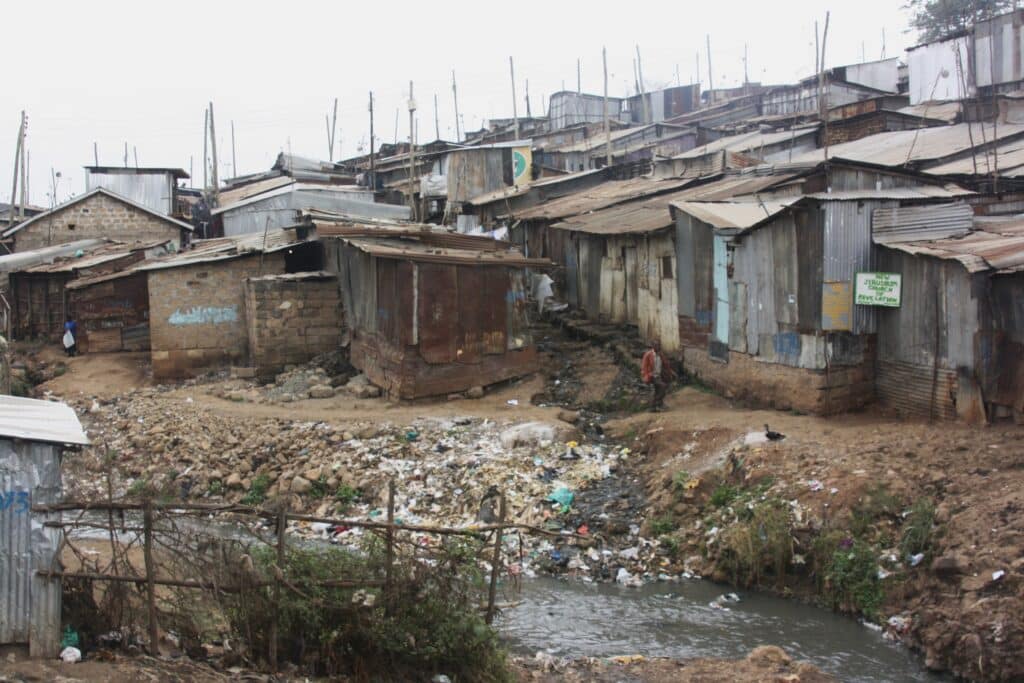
(655, 370)
(70, 337)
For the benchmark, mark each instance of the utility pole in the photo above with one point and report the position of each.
(607, 126)
(698, 70)
(135, 154)
(126, 154)
(412, 152)
(822, 94)
(515, 111)
(206, 138)
(234, 159)
(95, 154)
(643, 91)
(711, 80)
(17, 163)
(24, 172)
(437, 121)
(334, 130)
(373, 170)
(528, 114)
(883, 42)
(455, 96)
(213, 150)
(579, 77)
(746, 79)
(396, 126)
(817, 50)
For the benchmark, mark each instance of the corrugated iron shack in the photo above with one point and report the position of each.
(154, 188)
(774, 320)
(954, 345)
(33, 436)
(431, 313)
(39, 298)
(112, 311)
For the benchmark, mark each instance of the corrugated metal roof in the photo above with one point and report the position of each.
(653, 214)
(93, 257)
(138, 170)
(978, 251)
(25, 259)
(1001, 225)
(34, 420)
(898, 148)
(285, 188)
(221, 248)
(601, 196)
(426, 233)
(921, 192)
(90, 193)
(413, 250)
(914, 223)
(1007, 158)
(597, 141)
(745, 142)
(735, 215)
(231, 197)
(946, 111)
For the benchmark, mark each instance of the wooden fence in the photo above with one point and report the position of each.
(124, 572)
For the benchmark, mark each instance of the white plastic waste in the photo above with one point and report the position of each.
(71, 655)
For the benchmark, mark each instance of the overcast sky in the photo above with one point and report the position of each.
(143, 72)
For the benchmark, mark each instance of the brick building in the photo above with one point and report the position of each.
(197, 298)
(101, 214)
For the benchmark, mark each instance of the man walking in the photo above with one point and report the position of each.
(70, 337)
(655, 370)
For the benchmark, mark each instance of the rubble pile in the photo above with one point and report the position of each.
(447, 471)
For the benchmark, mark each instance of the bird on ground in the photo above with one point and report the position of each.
(773, 436)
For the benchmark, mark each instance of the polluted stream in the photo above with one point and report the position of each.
(572, 619)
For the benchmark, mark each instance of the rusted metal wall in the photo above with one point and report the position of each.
(999, 346)
(112, 315)
(29, 603)
(474, 172)
(695, 294)
(38, 305)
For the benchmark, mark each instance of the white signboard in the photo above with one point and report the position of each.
(878, 289)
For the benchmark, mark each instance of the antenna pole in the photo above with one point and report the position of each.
(455, 96)
(515, 114)
(607, 126)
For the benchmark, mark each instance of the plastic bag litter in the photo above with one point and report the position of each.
(563, 497)
(71, 655)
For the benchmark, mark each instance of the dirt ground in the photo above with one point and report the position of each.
(961, 606)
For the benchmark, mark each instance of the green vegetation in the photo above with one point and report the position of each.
(216, 487)
(347, 495)
(258, 491)
(848, 573)
(140, 488)
(875, 505)
(917, 529)
(761, 542)
(662, 525)
(318, 489)
(431, 624)
(724, 495)
(935, 19)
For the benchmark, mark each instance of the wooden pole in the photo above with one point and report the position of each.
(126, 154)
(607, 125)
(455, 97)
(95, 154)
(147, 549)
(334, 129)
(206, 138)
(135, 155)
(492, 591)
(437, 121)
(817, 50)
(528, 114)
(390, 550)
(579, 77)
(234, 158)
(17, 163)
(822, 94)
(282, 526)
(396, 126)
(412, 152)
(24, 173)
(746, 77)
(373, 170)
(213, 150)
(711, 79)
(515, 115)
(643, 91)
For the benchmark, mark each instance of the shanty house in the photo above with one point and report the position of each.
(111, 310)
(767, 313)
(951, 343)
(33, 436)
(197, 313)
(431, 313)
(154, 188)
(101, 214)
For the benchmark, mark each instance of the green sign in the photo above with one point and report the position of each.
(877, 289)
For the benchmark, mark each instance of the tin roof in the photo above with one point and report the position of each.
(745, 142)
(519, 190)
(139, 170)
(915, 223)
(223, 248)
(1008, 157)
(600, 196)
(34, 420)
(949, 191)
(97, 256)
(90, 193)
(735, 215)
(414, 250)
(652, 214)
(978, 251)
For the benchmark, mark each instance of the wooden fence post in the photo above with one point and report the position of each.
(147, 549)
(390, 551)
(496, 560)
(282, 525)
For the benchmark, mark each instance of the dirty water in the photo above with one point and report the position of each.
(575, 619)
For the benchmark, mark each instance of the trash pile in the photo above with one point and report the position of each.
(447, 472)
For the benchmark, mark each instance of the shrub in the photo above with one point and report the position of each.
(764, 541)
(873, 506)
(318, 489)
(257, 491)
(723, 495)
(216, 487)
(848, 578)
(662, 525)
(917, 529)
(347, 495)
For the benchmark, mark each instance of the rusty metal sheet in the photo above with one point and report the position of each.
(387, 301)
(472, 311)
(406, 278)
(438, 315)
(836, 306)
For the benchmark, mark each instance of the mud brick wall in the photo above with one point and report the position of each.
(291, 319)
(197, 314)
(785, 387)
(99, 216)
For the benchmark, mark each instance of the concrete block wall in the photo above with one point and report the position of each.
(197, 314)
(291, 319)
(99, 216)
(784, 387)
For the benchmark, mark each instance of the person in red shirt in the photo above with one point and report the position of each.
(655, 370)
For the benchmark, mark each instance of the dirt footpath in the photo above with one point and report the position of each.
(917, 525)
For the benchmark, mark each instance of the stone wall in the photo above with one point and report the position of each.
(785, 387)
(197, 314)
(291, 318)
(99, 216)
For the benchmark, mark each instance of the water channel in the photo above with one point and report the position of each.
(575, 619)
